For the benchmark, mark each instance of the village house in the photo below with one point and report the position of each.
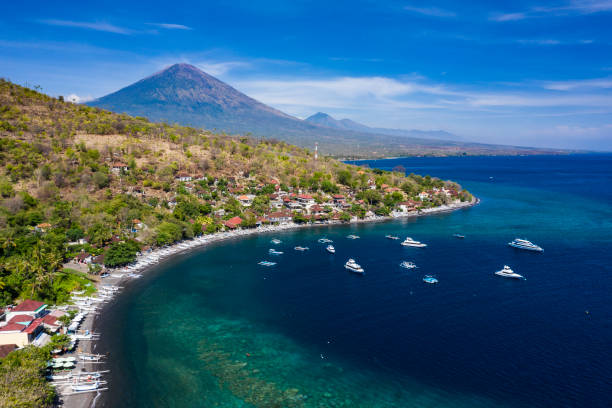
(183, 176)
(24, 323)
(280, 216)
(305, 199)
(423, 195)
(83, 258)
(43, 227)
(233, 223)
(246, 199)
(407, 206)
(28, 307)
(118, 167)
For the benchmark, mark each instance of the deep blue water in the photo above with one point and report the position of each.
(214, 329)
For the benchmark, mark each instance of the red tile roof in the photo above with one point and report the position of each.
(33, 326)
(21, 319)
(12, 327)
(233, 222)
(28, 305)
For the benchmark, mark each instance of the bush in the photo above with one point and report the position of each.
(101, 180)
(121, 253)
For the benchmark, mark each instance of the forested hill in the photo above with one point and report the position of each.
(76, 179)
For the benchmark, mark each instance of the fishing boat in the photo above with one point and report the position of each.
(353, 266)
(393, 237)
(524, 244)
(276, 241)
(301, 248)
(408, 265)
(272, 251)
(85, 387)
(412, 243)
(459, 236)
(266, 263)
(325, 241)
(330, 249)
(352, 236)
(430, 279)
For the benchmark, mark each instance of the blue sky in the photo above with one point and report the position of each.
(521, 72)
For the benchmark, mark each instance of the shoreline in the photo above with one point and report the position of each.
(146, 262)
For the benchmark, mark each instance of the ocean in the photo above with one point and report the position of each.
(214, 329)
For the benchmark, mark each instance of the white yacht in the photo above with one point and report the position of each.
(509, 273)
(301, 248)
(273, 251)
(524, 244)
(412, 243)
(408, 265)
(353, 266)
(331, 249)
(393, 237)
(276, 241)
(325, 241)
(352, 236)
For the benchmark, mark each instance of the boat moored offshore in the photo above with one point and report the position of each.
(330, 249)
(353, 266)
(430, 279)
(408, 265)
(393, 237)
(412, 243)
(507, 272)
(524, 244)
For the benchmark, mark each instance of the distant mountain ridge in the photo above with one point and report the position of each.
(325, 119)
(184, 94)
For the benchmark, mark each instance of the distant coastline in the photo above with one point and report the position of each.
(166, 254)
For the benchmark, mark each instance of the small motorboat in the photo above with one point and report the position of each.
(507, 272)
(459, 236)
(524, 244)
(408, 265)
(272, 251)
(301, 248)
(330, 249)
(266, 263)
(393, 237)
(353, 266)
(412, 243)
(276, 241)
(325, 241)
(430, 279)
(352, 236)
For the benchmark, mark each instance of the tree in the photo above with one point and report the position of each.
(121, 253)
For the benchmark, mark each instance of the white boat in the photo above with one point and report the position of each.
(91, 357)
(393, 237)
(352, 236)
(274, 252)
(509, 273)
(325, 241)
(524, 244)
(276, 241)
(266, 263)
(430, 279)
(301, 248)
(330, 249)
(412, 243)
(408, 265)
(353, 266)
(85, 387)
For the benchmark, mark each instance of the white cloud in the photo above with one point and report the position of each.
(78, 99)
(221, 68)
(97, 26)
(572, 8)
(171, 26)
(430, 11)
(597, 83)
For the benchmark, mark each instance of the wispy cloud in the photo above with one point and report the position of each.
(97, 26)
(79, 99)
(575, 7)
(596, 83)
(170, 26)
(221, 68)
(431, 11)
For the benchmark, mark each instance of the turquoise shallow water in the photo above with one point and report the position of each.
(214, 329)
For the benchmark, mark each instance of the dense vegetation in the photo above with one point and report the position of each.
(22, 376)
(76, 179)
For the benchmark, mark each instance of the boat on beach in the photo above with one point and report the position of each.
(524, 244)
(353, 266)
(412, 243)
